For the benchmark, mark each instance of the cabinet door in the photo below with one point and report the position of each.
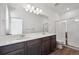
(34, 47)
(9, 48)
(52, 43)
(73, 32)
(17, 52)
(25, 48)
(45, 47)
(34, 50)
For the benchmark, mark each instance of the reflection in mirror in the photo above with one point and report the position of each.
(13, 24)
(19, 21)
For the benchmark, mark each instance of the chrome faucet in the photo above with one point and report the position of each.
(45, 28)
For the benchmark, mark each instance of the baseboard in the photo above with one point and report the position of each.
(72, 47)
(69, 46)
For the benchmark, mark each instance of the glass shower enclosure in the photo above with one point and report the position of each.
(61, 30)
(67, 32)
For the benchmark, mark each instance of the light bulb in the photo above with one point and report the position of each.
(67, 9)
(27, 9)
(40, 10)
(30, 10)
(32, 7)
(37, 9)
(28, 6)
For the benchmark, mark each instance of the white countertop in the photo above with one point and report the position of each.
(7, 40)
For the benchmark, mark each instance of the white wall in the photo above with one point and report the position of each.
(52, 18)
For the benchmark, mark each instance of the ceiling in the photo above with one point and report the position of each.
(62, 7)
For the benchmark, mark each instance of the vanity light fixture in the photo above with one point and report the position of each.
(34, 12)
(37, 11)
(30, 8)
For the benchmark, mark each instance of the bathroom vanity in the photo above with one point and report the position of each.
(43, 45)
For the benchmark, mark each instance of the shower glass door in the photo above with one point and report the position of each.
(71, 27)
(73, 32)
(60, 31)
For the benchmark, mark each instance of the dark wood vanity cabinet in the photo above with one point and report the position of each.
(12, 49)
(40, 46)
(53, 43)
(45, 46)
(34, 47)
(17, 52)
(48, 44)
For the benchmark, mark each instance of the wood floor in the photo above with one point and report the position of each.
(65, 51)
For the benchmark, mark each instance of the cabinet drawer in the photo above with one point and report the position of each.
(17, 52)
(12, 47)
